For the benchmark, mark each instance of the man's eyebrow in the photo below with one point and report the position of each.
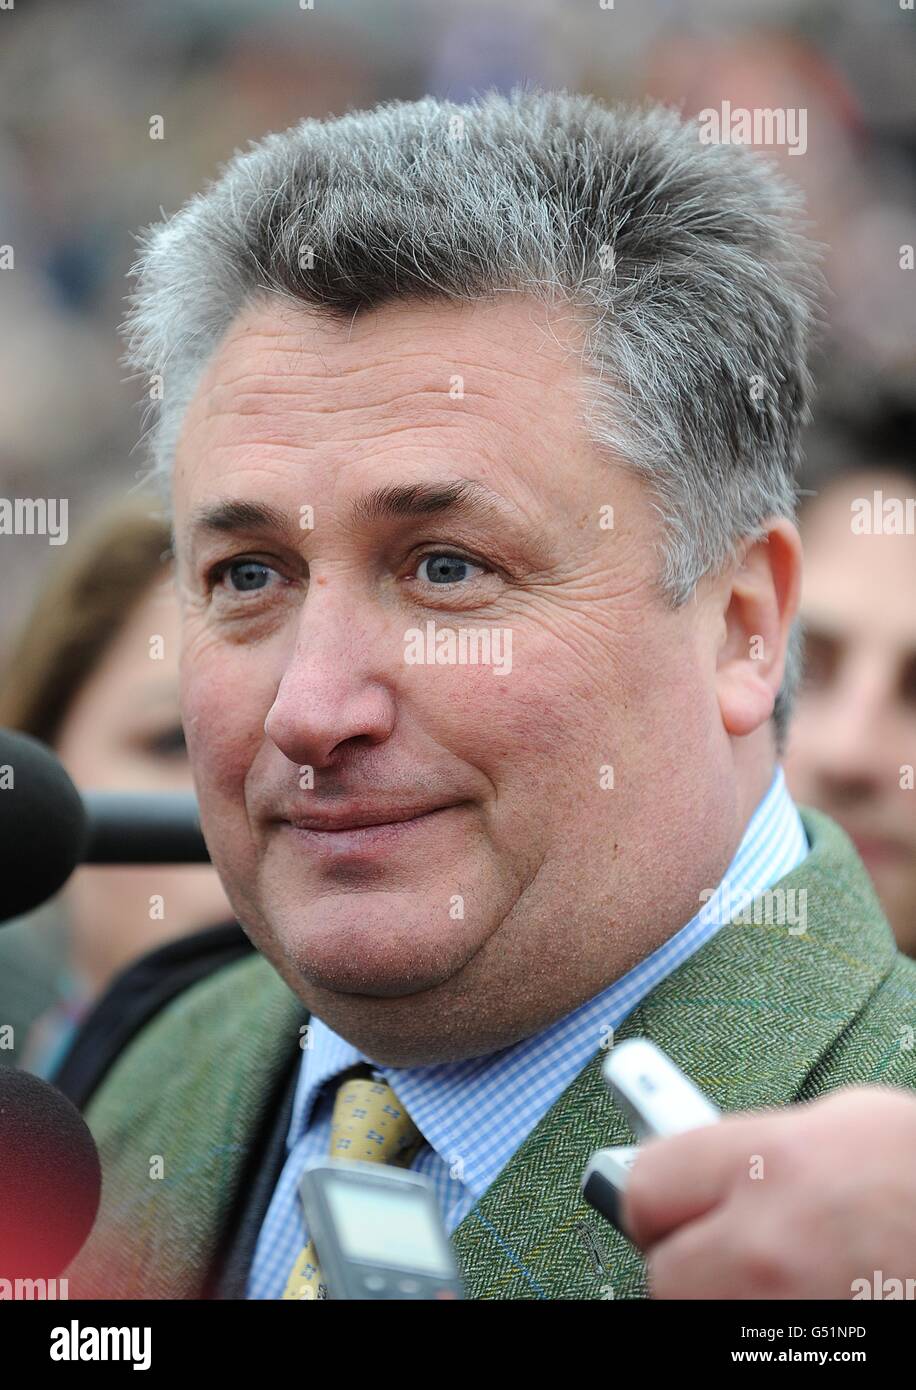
(405, 500)
(394, 501)
(238, 515)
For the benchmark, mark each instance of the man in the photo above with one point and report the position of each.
(480, 425)
(853, 743)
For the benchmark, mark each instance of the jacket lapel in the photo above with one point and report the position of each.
(747, 1018)
(177, 1124)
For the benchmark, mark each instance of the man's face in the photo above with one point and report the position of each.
(854, 730)
(431, 853)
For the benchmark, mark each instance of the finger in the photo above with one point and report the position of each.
(679, 1179)
(703, 1260)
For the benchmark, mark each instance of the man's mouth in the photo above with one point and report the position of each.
(359, 829)
(362, 817)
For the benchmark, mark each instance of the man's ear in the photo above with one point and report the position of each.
(760, 601)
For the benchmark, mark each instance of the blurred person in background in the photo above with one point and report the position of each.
(852, 743)
(848, 86)
(95, 676)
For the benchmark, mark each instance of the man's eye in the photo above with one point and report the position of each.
(243, 576)
(443, 568)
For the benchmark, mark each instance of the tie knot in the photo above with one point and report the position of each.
(370, 1123)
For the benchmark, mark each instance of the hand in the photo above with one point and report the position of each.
(792, 1203)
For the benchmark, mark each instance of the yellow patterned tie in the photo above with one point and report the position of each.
(370, 1124)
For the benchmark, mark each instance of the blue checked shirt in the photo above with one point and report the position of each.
(476, 1113)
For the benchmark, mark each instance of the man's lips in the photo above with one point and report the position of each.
(366, 834)
(362, 817)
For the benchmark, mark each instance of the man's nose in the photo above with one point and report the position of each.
(334, 688)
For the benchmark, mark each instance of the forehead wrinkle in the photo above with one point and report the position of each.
(490, 421)
(271, 394)
(434, 383)
(383, 423)
(496, 329)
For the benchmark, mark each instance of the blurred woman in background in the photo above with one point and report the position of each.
(95, 676)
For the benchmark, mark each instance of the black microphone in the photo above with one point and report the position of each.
(47, 828)
(43, 823)
(50, 1178)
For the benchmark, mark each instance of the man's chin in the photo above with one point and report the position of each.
(352, 946)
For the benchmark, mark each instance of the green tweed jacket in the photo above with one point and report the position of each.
(761, 1015)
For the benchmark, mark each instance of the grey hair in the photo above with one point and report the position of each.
(695, 284)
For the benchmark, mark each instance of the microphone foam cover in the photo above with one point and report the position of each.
(50, 1178)
(43, 825)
